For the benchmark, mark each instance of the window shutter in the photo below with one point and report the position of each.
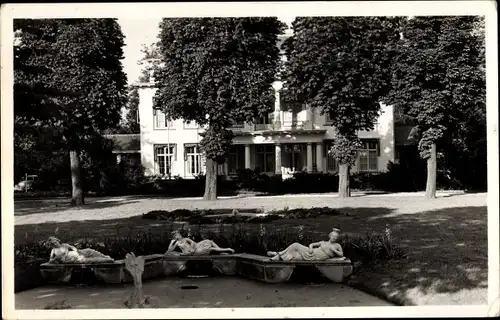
(377, 144)
(154, 112)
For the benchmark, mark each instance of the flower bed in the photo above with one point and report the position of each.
(209, 216)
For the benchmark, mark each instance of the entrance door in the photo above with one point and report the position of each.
(295, 156)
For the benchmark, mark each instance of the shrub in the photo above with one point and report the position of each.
(372, 247)
(319, 182)
(301, 182)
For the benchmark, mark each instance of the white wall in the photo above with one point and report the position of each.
(150, 136)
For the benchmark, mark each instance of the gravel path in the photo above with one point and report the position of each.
(58, 210)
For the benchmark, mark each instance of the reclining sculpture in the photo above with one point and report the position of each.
(190, 247)
(66, 253)
(326, 256)
(317, 251)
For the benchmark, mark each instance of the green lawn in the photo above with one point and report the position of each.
(446, 238)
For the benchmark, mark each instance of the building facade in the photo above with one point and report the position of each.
(283, 142)
(286, 141)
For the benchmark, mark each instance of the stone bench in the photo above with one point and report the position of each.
(222, 264)
(108, 272)
(264, 269)
(156, 265)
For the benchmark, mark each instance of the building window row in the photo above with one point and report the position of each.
(161, 122)
(263, 158)
(194, 159)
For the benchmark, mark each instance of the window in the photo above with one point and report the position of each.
(160, 120)
(235, 159)
(164, 156)
(190, 125)
(331, 163)
(264, 119)
(193, 157)
(265, 158)
(328, 118)
(295, 156)
(368, 156)
(264, 122)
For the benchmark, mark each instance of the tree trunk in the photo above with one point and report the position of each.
(430, 189)
(211, 180)
(76, 179)
(344, 190)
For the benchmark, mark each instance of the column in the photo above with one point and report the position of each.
(247, 157)
(277, 105)
(309, 155)
(278, 158)
(319, 157)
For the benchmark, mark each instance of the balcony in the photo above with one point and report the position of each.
(299, 125)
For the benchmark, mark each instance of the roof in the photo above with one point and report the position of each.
(125, 143)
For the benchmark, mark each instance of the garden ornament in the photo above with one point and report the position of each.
(317, 251)
(190, 247)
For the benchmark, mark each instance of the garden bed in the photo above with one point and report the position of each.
(231, 216)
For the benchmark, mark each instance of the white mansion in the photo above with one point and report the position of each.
(282, 143)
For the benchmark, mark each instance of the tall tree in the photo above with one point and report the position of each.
(216, 72)
(439, 80)
(340, 66)
(82, 59)
(132, 118)
(149, 62)
(130, 123)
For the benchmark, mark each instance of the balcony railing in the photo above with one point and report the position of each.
(297, 125)
(264, 126)
(277, 126)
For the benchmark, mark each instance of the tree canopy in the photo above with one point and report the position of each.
(341, 67)
(68, 76)
(79, 57)
(216, 72)
(439, 81)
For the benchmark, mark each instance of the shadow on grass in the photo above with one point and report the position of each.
(447, 247)
(56, 205)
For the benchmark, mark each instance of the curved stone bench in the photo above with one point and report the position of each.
(156, 265)
(113, 272)
(223, 264)
(262, 268)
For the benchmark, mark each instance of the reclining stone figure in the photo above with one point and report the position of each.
(65, 253)
(190, 247)
(317, 251)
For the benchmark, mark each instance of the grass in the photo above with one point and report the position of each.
(446, 237)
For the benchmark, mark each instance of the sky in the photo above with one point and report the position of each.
(141, 31)
(137, 32)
